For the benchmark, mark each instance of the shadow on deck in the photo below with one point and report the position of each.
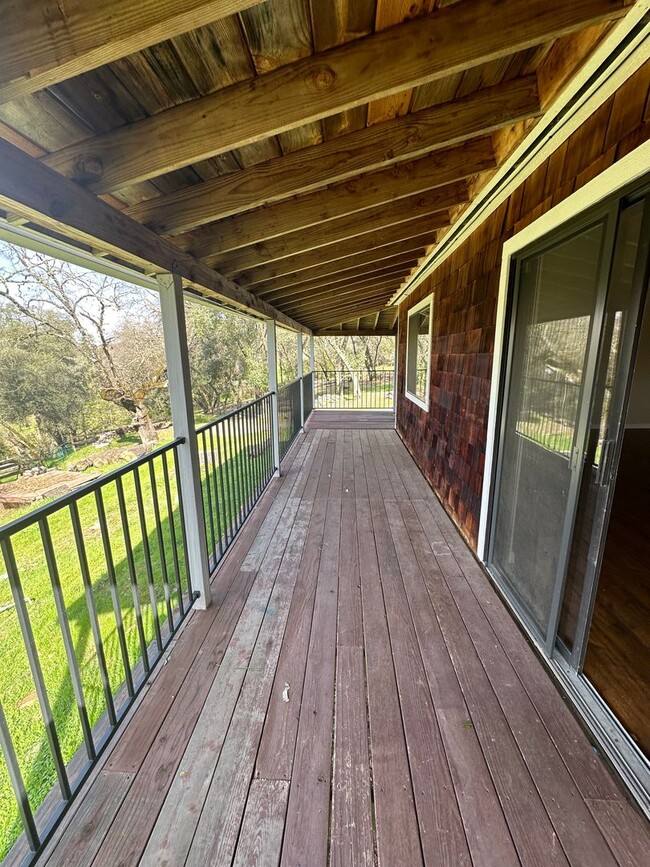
(356, 693)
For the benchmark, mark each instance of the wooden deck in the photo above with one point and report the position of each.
(356, 695)
(351, 419)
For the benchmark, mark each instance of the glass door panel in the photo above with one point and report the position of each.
(542, 433)
(618, 333)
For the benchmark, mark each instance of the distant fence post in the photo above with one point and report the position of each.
(180, 396)
(299, 349)
(273, 388)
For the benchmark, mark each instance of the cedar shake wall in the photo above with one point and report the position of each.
(448, 443)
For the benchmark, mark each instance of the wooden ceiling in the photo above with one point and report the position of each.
(299, 156)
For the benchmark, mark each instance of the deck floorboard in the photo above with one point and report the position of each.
(357, 695)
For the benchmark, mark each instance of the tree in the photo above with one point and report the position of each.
(111, 326)
(227, 358)
(34, 409)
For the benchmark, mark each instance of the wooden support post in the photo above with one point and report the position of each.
(299, 350)
(180, 396)
(273, 388)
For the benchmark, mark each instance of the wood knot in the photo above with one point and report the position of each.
(88, 168)
(323, 78)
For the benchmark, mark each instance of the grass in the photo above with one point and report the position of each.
(375, 395)
(230, 487)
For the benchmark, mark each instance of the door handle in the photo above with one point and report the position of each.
(602, 473)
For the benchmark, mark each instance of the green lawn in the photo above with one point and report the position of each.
(374, 395)
(230, 486)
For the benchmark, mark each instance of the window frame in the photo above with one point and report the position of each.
(417, 308)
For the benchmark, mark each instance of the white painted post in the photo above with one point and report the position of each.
(301, 374)
(273, 388)
(395, 374)
(180, 396)
(312, 364)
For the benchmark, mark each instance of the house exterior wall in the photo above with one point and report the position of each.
(448, 442)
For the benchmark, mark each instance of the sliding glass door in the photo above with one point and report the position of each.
(575, 307)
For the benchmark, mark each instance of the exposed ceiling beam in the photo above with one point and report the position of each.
(336, 316)
(340, 294)
(298, 294)
(451, 39)
(343, 157)
(44, 43)
(332, 240)
(437, 170)
(369, 260)
(34, 191)
(339, 277)
(355, 332)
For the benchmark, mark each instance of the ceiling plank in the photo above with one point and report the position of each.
(450, 39)
(332, 161)
(34, 191)
(438, 169)
(332, 240)
(46, 43)
(307, 306)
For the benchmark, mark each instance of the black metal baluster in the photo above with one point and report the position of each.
(17, 784)
(232, 495)
(92, 612)
(68, 644)
(35, 666)
(147, 558)
(181, 515)
(218, 428)
(217, 506)
(130, 562)
(207, 493)
(115, 598)
(241, 463)
(161, 546)
(172, 532)
(237, 466)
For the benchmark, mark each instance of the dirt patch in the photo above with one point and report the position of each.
(53, 483)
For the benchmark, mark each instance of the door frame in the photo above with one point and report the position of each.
(614, 182)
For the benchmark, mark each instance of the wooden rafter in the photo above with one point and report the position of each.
(34, 191)
(333, 240)
(335, 315)
(46, 43)
(326, 296)
(322, 287)
(336, 160)
(337, 278)
(437, 170)
(451, 39)
(303, 269)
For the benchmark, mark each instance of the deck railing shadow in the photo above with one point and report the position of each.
(96, 587)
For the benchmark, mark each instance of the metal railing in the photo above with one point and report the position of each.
(354, 389)
(289, 420)
(95, 585)
(236, 460)
(308, 394)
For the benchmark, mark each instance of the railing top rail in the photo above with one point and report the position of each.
(233, 412)
(49, 508)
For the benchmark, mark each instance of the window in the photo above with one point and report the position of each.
(418, 352)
